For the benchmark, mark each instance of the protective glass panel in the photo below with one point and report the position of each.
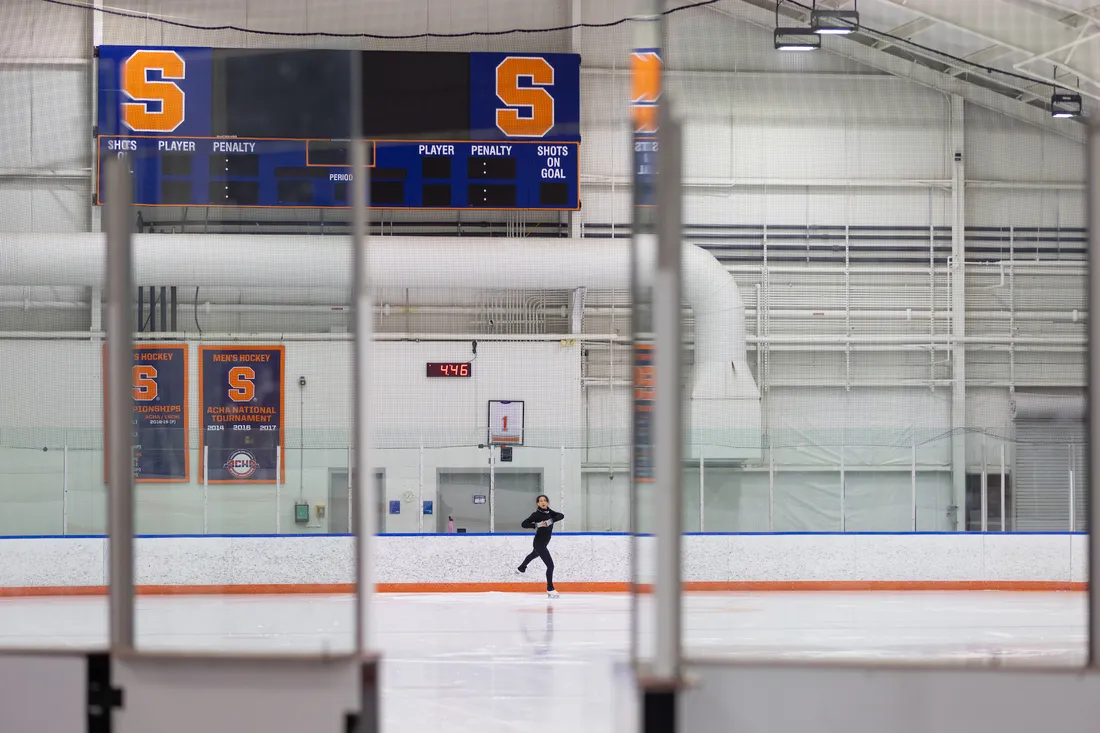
(883, 320)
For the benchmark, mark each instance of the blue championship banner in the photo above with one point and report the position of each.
(159, 387)
(241, 401)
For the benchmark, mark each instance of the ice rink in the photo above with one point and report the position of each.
(500, 662)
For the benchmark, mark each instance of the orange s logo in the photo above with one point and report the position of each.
(166, 95)
(535, 102)
(144, 380)
(241, 388)
(645, 74)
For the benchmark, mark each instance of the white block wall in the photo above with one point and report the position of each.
(774, 559)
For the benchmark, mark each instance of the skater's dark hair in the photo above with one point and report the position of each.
(542, 496)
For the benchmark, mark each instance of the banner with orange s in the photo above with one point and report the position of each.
(158, 377)
(241, 401)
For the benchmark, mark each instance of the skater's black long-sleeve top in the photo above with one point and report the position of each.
(542, 534)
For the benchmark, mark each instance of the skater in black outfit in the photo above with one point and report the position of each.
(542, 521)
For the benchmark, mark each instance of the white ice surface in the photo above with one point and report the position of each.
(496, 662)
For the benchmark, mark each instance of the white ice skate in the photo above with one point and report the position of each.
(552, 594)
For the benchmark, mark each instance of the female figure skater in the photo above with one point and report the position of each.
(542, 521)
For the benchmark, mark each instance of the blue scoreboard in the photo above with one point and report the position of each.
(270, 128)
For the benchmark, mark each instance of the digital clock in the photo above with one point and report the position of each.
(450, 369)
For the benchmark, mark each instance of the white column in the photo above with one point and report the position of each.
(958, 311)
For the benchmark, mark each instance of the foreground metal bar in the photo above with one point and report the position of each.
(119, 405)
(646, 75)
(365, 519)
(668, 412)
(1093, 417)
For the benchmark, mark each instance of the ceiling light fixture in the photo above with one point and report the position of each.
(1065, 105)
(834, 22)
(798, 38)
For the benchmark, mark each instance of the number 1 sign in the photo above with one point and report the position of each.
(506, 422)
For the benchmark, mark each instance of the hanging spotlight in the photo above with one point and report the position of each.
(797, 39)
(794, 38)
(834, 22)
(1065, 105)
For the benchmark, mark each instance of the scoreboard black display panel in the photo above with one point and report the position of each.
(232, 127)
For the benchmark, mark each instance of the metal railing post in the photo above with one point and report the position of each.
(119, 405)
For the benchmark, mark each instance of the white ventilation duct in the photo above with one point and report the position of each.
(725, 402)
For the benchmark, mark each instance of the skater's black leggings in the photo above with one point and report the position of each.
(540, 551)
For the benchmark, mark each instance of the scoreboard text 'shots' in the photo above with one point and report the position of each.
(230, 127)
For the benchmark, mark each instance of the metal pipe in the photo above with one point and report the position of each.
(914, 339)
(771, 492)
(278, 490)
(985, 491)
(205, 487)
(702, 492)
(1072, 491)
(492, 492)
(420, 490)
(65, 491)
(44, 304)
(606, 181)
(908, 314)
(759, 333)
(119, 407)
(561, 479)
(597, 339)
(843, 492)
(351, 497)
(288, 336)
(913, 483)
(1004, 511)
(384, 309)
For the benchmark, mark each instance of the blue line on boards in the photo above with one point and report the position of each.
(560, 534)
